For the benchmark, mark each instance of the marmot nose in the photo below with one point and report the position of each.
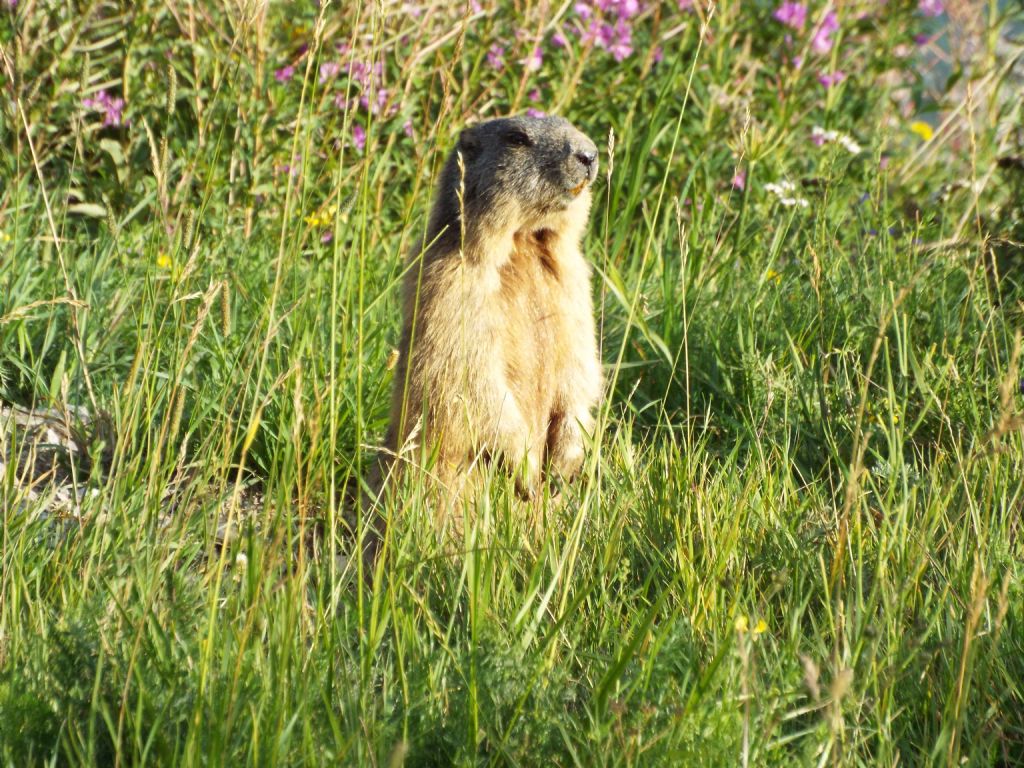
(586, 158)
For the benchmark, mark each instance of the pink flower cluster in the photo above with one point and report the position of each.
(794, 16)
(496, 57)
(329, 70)
(359, 136)
(373, 96)
(607, 24)
(368, 80)
(535, 60)
(822, 41)
(534, 96)
(112, 109)
(828, 79)
(621, 9)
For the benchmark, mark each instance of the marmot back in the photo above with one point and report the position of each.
(498, 358)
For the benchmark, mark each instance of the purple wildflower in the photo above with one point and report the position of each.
(739, 180)
(293, 169)
(622, 9)
(657, 54)
(115, 112)
(496, 57)
(828, 79)
(531, 112)
(534, 95)
(284, 74)
(328, 70)
(622, 45)
(359, 72)
(343, 103)
(407, 128)
(113, 109)
(930, 7)
(583, 10)
(793, 15)
(326, 237)
(535, 60)
(359, 136)
(617, 39)
(377, 104)
(822, 41)
(559, 40)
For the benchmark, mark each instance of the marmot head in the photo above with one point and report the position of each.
(521, 172)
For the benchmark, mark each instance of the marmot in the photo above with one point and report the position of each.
(498, 357)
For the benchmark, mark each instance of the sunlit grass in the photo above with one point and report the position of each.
(796, 541)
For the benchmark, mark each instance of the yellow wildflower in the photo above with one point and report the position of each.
(774, 276)
(922, 129)
(164, 261)
(741, 624)
(760, 627)
(321, 218)
(4, 237)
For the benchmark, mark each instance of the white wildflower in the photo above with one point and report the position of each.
(820, 136)
(849, 144)
(784, 192)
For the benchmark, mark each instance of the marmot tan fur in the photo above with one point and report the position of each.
(498, 357)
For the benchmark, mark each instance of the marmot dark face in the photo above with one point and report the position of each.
(522, 167)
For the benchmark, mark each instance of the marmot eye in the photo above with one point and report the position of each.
(518, 138)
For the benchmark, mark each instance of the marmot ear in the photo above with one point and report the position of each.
(469, 143)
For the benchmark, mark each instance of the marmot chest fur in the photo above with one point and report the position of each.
(498, 357)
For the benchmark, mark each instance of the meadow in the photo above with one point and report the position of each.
(797, 538)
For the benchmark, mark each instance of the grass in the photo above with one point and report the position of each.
(797, 541)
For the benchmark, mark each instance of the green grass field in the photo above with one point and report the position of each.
(798, 538)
